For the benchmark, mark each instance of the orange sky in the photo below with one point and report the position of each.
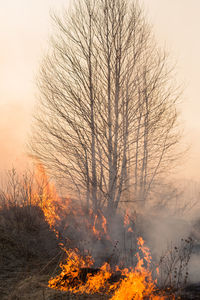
(24, 29)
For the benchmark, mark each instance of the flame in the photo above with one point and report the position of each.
(104, 224)
(68, 280)
(95, 231)
(145, 250)
(98, 282)
(138, 282)
(135, 283)
(99, 227)
(47, 197)
(76, 275)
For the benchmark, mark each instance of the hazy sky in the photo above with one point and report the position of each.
(24, 29)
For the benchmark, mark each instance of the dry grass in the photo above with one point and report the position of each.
(27, 245)
(35, 287)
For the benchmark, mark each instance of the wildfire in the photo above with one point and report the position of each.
(69, 277)
(138, 282)
(98, 282)
(77, 276)
(78, 273)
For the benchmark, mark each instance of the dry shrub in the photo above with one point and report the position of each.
(23, 228)
(173, 265)
(28, 232)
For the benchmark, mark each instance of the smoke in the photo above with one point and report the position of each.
(174, 237)
(194, 274)
(165, 231)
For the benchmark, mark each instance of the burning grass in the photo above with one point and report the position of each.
(77, 276)
(103, 258)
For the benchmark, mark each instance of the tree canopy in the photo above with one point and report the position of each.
(106, 119)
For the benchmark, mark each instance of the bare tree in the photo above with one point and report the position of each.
(157, 133)
(106, 116)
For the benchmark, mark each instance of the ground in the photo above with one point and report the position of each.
(30, 256)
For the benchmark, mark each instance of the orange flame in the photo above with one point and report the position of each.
(69, 277)
(77, 276)
(95, 231)
(100, 226)
(47, 197)
(98, 282)
(134, 283)
(138, 283)
(104, 224)
(145, 251)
